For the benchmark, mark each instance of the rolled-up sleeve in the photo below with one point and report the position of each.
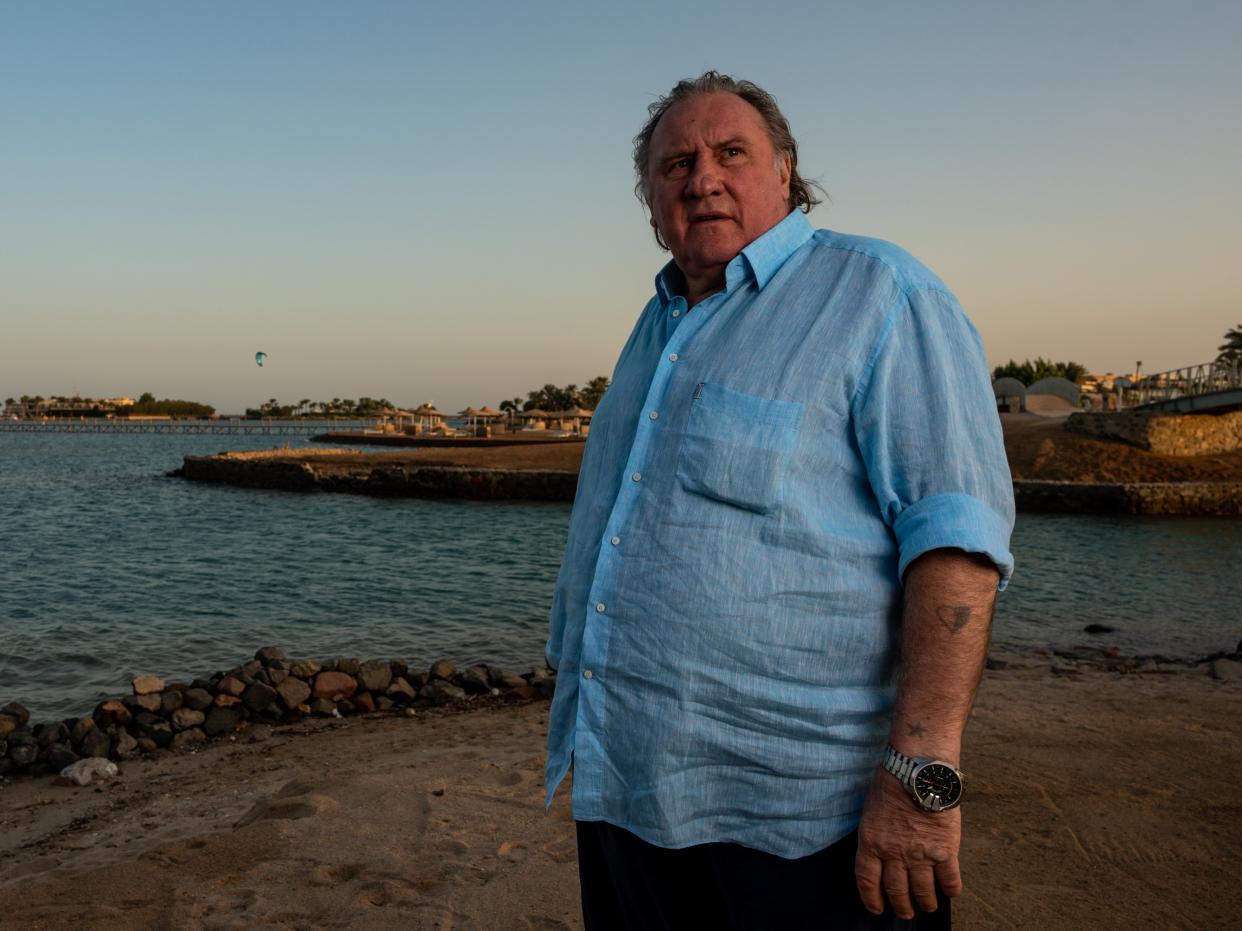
(926, 425)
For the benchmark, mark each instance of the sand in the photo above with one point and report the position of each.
(1098, 799)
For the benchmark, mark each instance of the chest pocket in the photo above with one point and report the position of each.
(736, 446)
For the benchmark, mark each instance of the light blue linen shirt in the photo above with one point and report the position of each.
(758, 476)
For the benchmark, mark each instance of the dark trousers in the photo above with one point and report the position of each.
(631, 885)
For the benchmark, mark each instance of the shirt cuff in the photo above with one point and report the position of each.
(954, 521)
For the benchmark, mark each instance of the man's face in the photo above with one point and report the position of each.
(716, 184)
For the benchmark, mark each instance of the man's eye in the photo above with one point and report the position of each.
(732, 151)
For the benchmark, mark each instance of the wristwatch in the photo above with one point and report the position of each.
(933, 784)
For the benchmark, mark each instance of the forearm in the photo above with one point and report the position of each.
(946, 623)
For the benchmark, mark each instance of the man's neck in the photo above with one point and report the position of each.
(702, 287)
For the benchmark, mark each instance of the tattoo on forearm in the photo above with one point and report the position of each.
(954, 618)
(915, 729)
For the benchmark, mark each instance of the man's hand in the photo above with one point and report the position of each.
(903, 852)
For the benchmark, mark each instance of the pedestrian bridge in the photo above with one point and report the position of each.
(1211, 386)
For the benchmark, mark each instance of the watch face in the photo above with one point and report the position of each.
(937, 786)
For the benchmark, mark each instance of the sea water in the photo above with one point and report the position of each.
(109, 569)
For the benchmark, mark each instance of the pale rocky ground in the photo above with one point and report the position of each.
(1098, 799)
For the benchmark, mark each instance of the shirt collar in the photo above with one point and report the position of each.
(764, 257)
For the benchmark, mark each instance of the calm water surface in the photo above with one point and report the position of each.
(109, 569)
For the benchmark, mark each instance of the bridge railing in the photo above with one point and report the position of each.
(1205, 378)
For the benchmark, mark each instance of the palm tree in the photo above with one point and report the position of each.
(1231, 348)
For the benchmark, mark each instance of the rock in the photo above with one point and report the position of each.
(545, 686)
(147, 685)
(305, 669)
(522, 692)
(400, 690)
(268, 655)
(226, 701)
(189, 738)
(474, 680)
(60, 755)
(502, 680)
(348, 665)
(93, 743)
(231, 685)
(124, 745)
(147, 745)
(259, 697)
(221, 721)
(399, 668)
(374, 677)
(323, 707)
(4, 748)
(47, 734)
(442, 692)
(17, 712)
(8, 724)
(334, 685)
(441, 669)
(293, 692)
(137, 704)
(276, 676)
(185, 718)
(89, 770)
(1099, 629)
(152, 727)
(364, 703)
(252, 668)
(112, 712)
(345, 706)
(23, 755)
(196, 699)
(262, 676)
(80, 729)
(417, 679)
(170, 701)
(384, 703)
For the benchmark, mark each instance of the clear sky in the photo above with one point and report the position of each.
(434, 201)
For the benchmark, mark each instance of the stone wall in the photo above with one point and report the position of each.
(1196, 498)
(1164, 434)
(396, 480)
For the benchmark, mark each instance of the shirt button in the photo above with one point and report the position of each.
(586, 673)
(672, 357)
(599, 607)
(616, 541)
(637, 476)
(654, 415)
(677, 313)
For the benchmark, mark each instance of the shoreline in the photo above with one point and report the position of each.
(436, 819)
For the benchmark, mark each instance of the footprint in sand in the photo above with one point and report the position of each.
(278, 809)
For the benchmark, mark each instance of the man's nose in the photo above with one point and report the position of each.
(704, 180)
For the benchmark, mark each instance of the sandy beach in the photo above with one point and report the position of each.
(1098, 799)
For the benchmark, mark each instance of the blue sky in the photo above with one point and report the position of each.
(434, 202)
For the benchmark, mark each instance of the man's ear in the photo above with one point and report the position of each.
(786, 168)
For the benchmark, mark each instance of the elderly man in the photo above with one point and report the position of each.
(792, 519)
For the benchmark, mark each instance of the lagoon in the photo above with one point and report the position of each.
(109, 569)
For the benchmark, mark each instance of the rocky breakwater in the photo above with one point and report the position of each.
(270, 688)
(280, 469)
(1186, 498)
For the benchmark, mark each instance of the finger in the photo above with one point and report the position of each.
(897, 888)
(923, 885)
(867, 873)
(949, 875)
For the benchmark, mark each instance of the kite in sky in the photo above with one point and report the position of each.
(259, 357)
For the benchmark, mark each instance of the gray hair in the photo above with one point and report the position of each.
(801, 191)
